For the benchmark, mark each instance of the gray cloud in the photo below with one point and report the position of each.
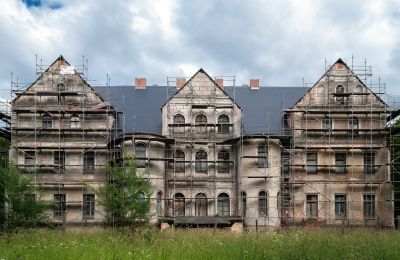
(278, 41)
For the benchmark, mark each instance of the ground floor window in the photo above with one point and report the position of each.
(312, 206)
(223, 205)
(60, 205)
(88, 205)
(369, 206)
(340, 206)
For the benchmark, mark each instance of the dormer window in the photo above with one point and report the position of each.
(340, 95)
(61, 87)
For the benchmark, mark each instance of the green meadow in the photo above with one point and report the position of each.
(201, 244)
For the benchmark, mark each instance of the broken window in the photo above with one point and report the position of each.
(47, 121)
(340, 206)
(312, 206)
(340, 95)
(88, 205)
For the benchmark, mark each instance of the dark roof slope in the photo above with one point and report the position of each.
(262, 109)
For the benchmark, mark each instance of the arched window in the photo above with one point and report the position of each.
(47, 121)
(358, 99)
(243, 197)
(201, 205)
(61, 87)
(179, 161)
(179, 121)
(179, 204)
(141, 198)
(223, 161)
(223, 205)
(223, 124)
(201, 162)
(263, 203)
(262, 152)
(340, 95)
(74, 121)
(353, 125)
(140, 154)
(201, 123)
(327, 124)
(159, 203)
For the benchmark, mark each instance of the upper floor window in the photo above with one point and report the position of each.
(223, 124)
(74, 121)
(340, 95)
(61, 87)
(327, 124)
(201, 123)
(369, 162)
(59, 159)
(353, 125)
(262, 161)
(47, 121)
(311, 163)
(223, 162)
(30, 158)
(340, 162)
(201, 162)
(179, 121)
(179, 161)
(140, 154)
(88, 162)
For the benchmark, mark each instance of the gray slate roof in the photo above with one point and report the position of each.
(262, 109)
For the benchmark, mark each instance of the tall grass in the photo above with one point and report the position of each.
(201, 244)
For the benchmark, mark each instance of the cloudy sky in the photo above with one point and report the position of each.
(280, 42)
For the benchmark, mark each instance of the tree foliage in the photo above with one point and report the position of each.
(21, 207)
(126, 196)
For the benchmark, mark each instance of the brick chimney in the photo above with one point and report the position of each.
(254, 83)
(140, 83)
(220, 82)
(180, 82)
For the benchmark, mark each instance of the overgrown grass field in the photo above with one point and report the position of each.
(201, 244)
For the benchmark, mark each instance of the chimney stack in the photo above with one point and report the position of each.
(254, 83)
(220, 82)
(140, 83)
(180, 82)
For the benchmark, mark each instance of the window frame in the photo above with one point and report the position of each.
(369, 158)
(369, 207)
(223, 205)
(311, 163)
(180, 166)
(47, 121)
(60, 205)
(201, 123)
(179, 204)
(74, 121)
(59, 159)
(89, 162)
(201, 205)
(312, 206)
(178, 120)
(141, 155)
(340, 206)
(89, 205)
(341, 162)
(263, 203)
(223, 124)
(327, 124)
(201, 164)
(354, 125)
(223, 162)
(340, 100)
(262, 156)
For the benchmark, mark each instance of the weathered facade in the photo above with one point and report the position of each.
(214, 154)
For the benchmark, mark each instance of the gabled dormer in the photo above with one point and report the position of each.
(340, 88)
(200, 109)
